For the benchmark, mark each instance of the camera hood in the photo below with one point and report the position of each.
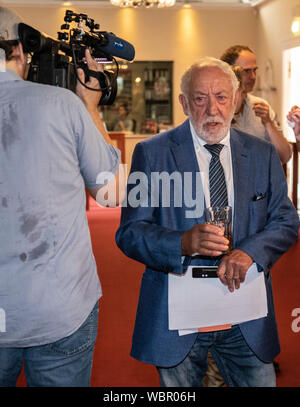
(33, 40)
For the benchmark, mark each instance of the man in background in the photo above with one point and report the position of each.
(256, 116)
(52, 146)
(123, 121)
(294, 118)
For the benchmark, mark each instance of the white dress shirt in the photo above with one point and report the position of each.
(204, 157)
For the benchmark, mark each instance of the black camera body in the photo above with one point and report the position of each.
(55, 62)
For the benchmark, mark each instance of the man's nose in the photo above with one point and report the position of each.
(212, 107)
(253, 75)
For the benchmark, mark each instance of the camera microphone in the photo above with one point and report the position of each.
(113, 45)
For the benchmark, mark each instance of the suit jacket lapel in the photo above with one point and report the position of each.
(241, 173)
(186, 160)
(183, 149)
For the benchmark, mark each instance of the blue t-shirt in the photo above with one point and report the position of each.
(50, 150)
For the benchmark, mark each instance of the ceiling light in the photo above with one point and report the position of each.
(295, 26)
(144, 3)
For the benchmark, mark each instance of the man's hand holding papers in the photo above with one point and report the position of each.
(233, 268)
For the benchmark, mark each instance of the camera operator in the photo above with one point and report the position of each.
(52, 147)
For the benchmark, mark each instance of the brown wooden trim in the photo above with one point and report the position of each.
(87, 205)
(295, 175)
(120, 138)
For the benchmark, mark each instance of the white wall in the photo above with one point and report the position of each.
(273, 36)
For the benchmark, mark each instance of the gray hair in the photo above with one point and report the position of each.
(9, 22)
(207, 62)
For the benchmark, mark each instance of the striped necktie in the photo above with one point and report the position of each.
(217, 184)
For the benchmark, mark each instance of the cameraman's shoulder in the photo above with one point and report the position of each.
(49, 92)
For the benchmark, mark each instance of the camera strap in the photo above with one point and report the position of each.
(102, 78)
(94, 74)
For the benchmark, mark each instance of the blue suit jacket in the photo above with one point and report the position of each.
(264, 229)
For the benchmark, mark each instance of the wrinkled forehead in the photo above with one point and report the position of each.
(210, 78)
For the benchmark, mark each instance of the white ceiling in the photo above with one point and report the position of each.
(215, 3)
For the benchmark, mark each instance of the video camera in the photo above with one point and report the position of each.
(55, 62)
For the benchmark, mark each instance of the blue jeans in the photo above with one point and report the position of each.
(65, 363)
(238, 365)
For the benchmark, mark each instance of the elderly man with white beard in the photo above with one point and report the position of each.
(169, 243)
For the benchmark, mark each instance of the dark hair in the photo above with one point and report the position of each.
(238, 70)
(8, 47)
(125, 106)
(232, 53)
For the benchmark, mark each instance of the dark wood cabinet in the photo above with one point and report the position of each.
(146, 88)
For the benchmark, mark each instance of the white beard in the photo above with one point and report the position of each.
(205, 134)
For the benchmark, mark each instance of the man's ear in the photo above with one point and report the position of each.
(184, 104)
(19, 55)
(20, 61)
(236, 97)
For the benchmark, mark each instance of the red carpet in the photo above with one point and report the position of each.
(120, 278)
(286, 288)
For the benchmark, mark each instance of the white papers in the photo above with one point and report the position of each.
(204, 302)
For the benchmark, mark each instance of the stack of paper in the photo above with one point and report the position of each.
(204, 302)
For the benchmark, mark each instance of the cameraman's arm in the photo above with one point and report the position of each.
(115, 189)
